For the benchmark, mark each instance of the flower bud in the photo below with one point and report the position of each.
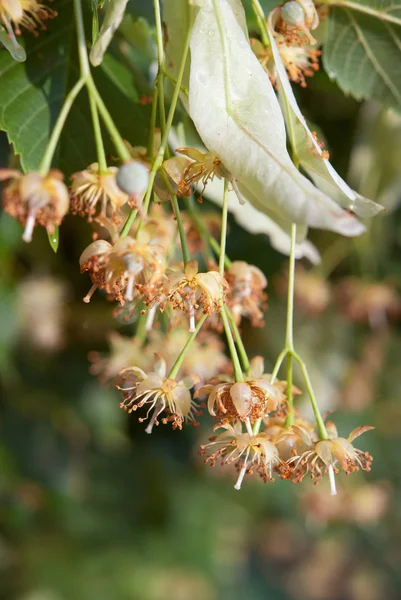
(293, 14)
(133, 178)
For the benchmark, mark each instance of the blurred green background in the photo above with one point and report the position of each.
(92, 508)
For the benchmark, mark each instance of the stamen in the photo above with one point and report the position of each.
(333, 488)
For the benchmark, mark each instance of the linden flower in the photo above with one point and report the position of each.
(91, 188)
(160, 394)
(93, 260)
(128, 259)
(251, 399)
(300, 61)
(249, 452)
(29, 14)
(204, 168)
(207, 357)
(368, 301)
(123, 351)
(189, 289)
(323, 457)
(35, 199)
(246, 296)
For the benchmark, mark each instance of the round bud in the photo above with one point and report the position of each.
(293, 14)
(312, 18)
(133, 178)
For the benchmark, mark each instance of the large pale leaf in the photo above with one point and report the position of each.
(246, 215)
(179, 17)
(308, 151)
(256, 222)
(362, 49)
(237, 115)
(32, 93)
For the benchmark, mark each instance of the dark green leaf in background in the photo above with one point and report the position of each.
(32, 93)
(362, 49)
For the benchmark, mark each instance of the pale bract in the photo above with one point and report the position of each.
(237, 115)
(178, 18)
(249, 217)
(309, 153)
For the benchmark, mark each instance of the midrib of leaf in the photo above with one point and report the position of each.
(368, 10)
(231, 111)
(379, 70)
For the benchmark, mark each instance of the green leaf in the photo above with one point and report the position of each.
(32, 93)
(362, 49)
(54, 238)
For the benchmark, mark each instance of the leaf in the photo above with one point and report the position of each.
(179, 17)
(113, 17)
(256, 222)
(32, 93)
(362, 49)
(237, 115)
(248, 217)
(308, 151)
(54, 238)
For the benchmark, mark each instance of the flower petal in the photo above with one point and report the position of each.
(324, 451)
(358, 431)
(182, 399)
(241, 395)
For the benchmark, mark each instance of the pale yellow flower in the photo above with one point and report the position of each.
(160, 394)
(248, 452)
(35, 199)
(92, 188)
(189, 289)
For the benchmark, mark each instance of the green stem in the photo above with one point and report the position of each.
(240, 345)
(173, 80)
(177, 365)
(164, 143)
(82, 53)
(279, 362)
(141, 333)
(319, 419)
(58, 128)
(109, 123)
(289, 338)
(151, 140)
(177, 214)
(101, 155)
(214, 244)
(261, 19)
(160, 62)
(223, 239)
(90, 84)
(231, 345)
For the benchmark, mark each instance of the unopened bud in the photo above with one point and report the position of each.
(133, 178)
(293, 14)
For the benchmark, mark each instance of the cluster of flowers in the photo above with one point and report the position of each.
(133, 259)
